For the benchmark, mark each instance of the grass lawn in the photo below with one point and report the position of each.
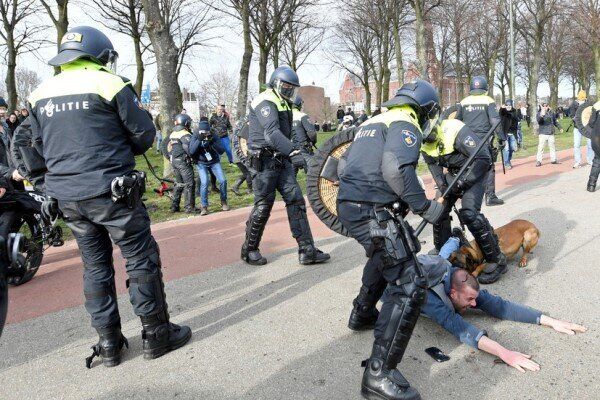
(159, 206)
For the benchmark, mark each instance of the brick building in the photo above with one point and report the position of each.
(316, 104)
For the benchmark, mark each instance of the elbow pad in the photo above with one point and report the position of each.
(390, 169)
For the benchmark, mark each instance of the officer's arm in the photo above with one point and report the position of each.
(437, 172)
(136, 120)
(267, 115)
(216, 144)
(494, 117)
(309, 127)
(466, 143)
(459, 112)
(399, 162)
(20, 139)
(451, 321)
(195, 145)
(36, 132)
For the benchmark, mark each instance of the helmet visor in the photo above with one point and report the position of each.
(286, 90)
(430, 128)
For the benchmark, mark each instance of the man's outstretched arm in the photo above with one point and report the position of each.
(515, 359)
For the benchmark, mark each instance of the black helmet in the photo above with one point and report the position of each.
(509, 103)
(285, 82)
(3, 103)
(298, 102)
(423, 97)
(183, 120)
(479, 85)
(85, 42)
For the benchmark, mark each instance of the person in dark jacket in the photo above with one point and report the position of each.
(12, 121)
(304, 135)
(221, 126)
(459, 292)
(577, 136)
(25, 154)
(7, 167)
(240, 158)
(340, 114)
(509, 117)
(205, 148)
(361, 118)
(23, 115)
(547, 122)
(179, 156)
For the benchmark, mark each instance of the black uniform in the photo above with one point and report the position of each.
(304, 134)
(91, 125)
(26, 155)
(479, 113)
(182, 169)
(594, 123)
(380, 169)
(269, 148)
(454, 144)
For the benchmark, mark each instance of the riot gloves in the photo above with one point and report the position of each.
(459, 188)
(434, 212)
(297, 159)
(49, 209)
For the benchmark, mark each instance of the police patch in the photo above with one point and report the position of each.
(469, 141)
(409, 138)
(265, 111)
(72, 37)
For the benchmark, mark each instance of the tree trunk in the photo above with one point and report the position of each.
(246, 61)
(385, 70)
(62, 24)
(491, 74)
(11, 66)
(420, 42)
(139, 63)
(166, 53)
(263, 59)
(553, 82)
(596, 51)
(399, 58)
(533, 82)
(367, 93)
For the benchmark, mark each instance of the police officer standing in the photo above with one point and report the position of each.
(304, 135)
(273, 156)
(478, 111)
(380, 170)
(91, 124)
(450, 147)
(178, 150)
(594, 123)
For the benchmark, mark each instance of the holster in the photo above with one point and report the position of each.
(386, 236)
(128, 189)
(254, 160)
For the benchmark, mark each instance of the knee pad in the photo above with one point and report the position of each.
(468, 216)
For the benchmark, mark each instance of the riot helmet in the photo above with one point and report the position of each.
(183, 120)
(285, 82)
(424, 99)
(298, 102)
(85, 42)
(479, 85)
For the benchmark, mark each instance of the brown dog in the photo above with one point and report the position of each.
(512, 236)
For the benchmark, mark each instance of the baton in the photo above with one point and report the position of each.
(462, 171)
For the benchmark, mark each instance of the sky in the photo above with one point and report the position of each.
(222, 53)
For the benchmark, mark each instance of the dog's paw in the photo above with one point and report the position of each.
(523, 262)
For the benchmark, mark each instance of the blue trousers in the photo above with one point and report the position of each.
(227, 146)
(205, 182)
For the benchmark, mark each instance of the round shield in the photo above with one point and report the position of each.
(449, 113)
(322, 181)
(582, 118)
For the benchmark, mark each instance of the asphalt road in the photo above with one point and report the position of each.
(279, 331)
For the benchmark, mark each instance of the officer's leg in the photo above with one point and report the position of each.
(295, 206)
(187, 173)
(401, 307)
(98, 283)
(244, 171)
(442, 230)
(264, 186)
(483, 233)
(595, 171)
(130, 230)
(179, 182)
(356, 218)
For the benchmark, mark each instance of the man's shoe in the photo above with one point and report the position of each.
(108, 348)
(204, 211)
(555, 162)
(253, 257)
(192, 210)
(159, 336)
(224, 206)
(538, 164)
(378, 383)
(311, 255)
(493, 200)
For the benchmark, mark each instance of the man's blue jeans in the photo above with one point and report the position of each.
(509, 148)
(589, 154)
(227, 146)
(205, 182)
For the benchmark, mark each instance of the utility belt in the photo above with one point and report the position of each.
(390, 233)
(265, 158)
(128, 189)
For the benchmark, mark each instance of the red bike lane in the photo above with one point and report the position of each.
(194, 245)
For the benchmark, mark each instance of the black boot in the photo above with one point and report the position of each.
(252, 257)
(159, 336)
(109, 347)
(488, 243)
(460, 234)
(493, 271)
(442, 232)
(591, 186)
(493, 200)
(236, 186)
(364, 313)
(309, 254)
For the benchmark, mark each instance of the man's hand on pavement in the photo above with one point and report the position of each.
(562, 326)
(519, 361)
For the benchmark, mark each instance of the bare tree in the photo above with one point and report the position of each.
(553, 53)
(400, 21)
(27, 81)
(220, 88)
(301, 36)
(20, 34)
(421, 8)
(126, 17)
(584, 16)
(60, 20)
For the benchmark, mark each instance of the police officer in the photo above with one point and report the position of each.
(91, 124)
(594, 123)
(178, 150)
(380, 170)
(304, 135)
(449, 147)
(478, 111)
(273, 156)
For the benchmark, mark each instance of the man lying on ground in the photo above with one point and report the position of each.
(459, 291)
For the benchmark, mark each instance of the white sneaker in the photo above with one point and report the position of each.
(576, 165)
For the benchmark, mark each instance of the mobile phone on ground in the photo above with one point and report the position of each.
(437, 354)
